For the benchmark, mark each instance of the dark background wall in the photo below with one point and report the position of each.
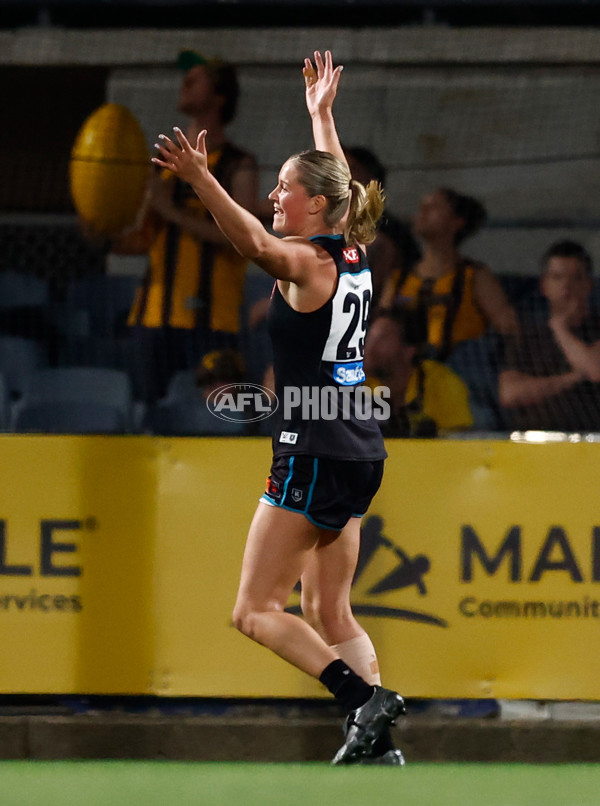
(150, 13)
(46, 106)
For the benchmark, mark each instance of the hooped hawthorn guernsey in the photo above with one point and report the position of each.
(192, 283)
(318, 359)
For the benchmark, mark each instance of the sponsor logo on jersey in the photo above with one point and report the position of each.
(290, 437)
(350, 254)
(349, 374)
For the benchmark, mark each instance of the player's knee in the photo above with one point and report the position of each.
(244, 618)
(240, 617)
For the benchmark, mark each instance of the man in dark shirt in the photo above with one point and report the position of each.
(551, 375)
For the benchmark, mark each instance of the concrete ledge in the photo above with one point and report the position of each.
(14, 732)
(497, 740)
(287, 739)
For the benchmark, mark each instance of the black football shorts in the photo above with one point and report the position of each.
(327, 491)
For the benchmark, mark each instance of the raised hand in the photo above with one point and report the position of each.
(321, 82)
(186, 162)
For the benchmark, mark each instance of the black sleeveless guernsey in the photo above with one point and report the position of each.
(324, 408)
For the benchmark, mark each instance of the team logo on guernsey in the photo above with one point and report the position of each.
(273, 488)
(349, 374)
(289, 437)
(297, 494)
(350, 254)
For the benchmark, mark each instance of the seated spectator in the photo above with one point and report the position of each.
(219, 368)
(460, 297)
(426, 397)
(551, 375)
(394, 249)
(189, 410)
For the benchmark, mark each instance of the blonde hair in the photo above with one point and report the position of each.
(322, 174)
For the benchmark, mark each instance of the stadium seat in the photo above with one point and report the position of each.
(18, 290)
(68, 417)
(92, 321)
(182, 384)
(189, 416)
(19, 358)
(105, 298)
(93, 399)
(4, 405)
(183, 412)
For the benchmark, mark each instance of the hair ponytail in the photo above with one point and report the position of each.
(323, 174)
(365, 210)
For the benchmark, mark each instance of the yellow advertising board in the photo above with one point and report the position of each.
(479, 571)
(504, 545)
(77, 521)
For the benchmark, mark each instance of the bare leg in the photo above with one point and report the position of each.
(326, 584)
(326, 587)
(279, 545)
(283, 547)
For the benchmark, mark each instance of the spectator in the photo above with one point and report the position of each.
(394, 249)
(190, 407)
(189, 302)
(460, 296)
(551, 376)
(218, 368)
(426, 397)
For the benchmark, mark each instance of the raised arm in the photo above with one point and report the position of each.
(321, 82)
(244, 189)
(287, 259)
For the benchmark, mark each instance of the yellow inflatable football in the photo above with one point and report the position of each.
(109, 169)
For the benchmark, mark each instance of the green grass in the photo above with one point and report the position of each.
(156, 783)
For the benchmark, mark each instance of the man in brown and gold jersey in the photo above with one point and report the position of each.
(190, 298)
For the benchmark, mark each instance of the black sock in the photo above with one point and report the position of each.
(349, 689)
